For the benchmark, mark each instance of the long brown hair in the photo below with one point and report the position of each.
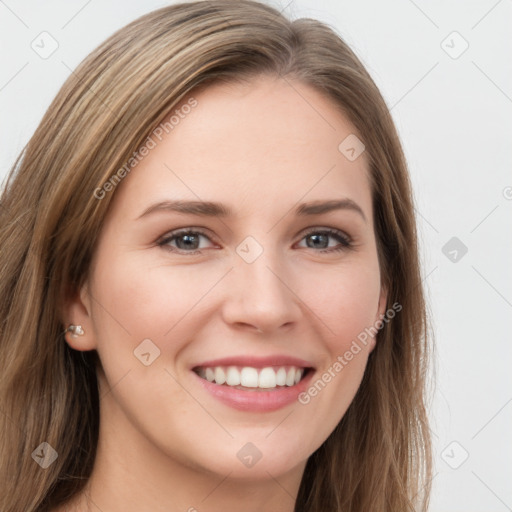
(379, 455)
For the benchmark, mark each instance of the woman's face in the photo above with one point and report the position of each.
(266, 277)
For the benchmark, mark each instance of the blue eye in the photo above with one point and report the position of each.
(188, 241)
(320, 240)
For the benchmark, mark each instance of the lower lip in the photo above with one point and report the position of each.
(256, 401)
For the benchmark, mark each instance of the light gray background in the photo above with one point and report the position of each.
(454, 118)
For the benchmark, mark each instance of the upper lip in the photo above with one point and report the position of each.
(256, 362)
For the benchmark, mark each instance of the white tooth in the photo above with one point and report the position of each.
(220, 376)
(290, 377)
(233, 376)
(298, 375)
(281, 376)
(267, 378)
(210, 375)
(249, 377)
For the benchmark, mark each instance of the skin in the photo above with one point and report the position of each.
(165, 444)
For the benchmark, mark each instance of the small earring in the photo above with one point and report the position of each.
(75, 330)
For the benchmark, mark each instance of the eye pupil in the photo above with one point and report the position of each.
(319, 237)
(191, 241)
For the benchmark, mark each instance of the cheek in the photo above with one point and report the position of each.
(136, 301)
(346, 305)
(149, 300)
(345, 300)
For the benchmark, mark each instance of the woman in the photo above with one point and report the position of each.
(211, 295)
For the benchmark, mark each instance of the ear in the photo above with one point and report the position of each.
(77, 311)
(381, 311)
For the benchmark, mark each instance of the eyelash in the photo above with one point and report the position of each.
(343, 239)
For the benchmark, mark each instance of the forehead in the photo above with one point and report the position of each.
(266, 143)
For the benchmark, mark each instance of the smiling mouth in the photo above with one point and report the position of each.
(248, 378)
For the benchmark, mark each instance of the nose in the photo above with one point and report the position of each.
(260, 297)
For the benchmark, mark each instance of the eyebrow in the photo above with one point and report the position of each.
(213, 209)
